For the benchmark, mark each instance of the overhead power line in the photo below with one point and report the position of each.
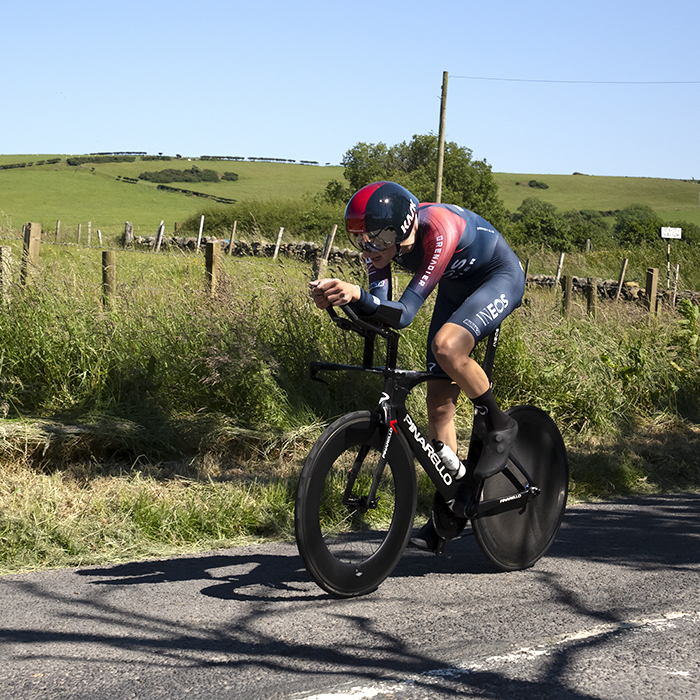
(582, 82)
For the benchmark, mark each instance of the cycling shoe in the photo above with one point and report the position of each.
(428, 539)
(494, 454)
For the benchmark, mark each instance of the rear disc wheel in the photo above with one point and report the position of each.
(517, 538)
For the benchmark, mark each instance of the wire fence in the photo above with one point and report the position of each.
(209, 255)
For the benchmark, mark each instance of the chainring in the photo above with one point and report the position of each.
(446, 523)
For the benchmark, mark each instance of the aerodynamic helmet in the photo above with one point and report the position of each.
(380, 215)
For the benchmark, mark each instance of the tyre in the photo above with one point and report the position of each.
(515, 539)
(350, 549)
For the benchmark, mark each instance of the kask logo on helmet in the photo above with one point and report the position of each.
(408, 221)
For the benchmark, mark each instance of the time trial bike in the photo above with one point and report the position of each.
(356, 498)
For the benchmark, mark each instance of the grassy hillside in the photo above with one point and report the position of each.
(671, 199)
(92, 192)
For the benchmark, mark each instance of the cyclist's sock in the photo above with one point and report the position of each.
(487, 407)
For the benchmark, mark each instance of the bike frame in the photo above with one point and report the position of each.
(463, 497)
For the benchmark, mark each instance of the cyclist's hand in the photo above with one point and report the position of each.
(333, 292)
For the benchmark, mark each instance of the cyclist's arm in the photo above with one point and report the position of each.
(377, 301)
(333, 292)
(441, 235)
(402, 312)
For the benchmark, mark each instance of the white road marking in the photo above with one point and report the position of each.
(650, 624)
(356, 693)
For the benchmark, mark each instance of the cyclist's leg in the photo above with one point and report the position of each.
(483, 309)
(441, 399)
(441, 402)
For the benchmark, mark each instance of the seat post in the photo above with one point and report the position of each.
(490, 354)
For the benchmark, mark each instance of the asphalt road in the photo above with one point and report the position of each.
(613, 611)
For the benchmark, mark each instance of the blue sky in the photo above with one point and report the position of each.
(310, 79)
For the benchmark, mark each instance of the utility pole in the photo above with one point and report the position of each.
(441, 140)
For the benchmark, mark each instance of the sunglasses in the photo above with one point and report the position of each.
(376, 241)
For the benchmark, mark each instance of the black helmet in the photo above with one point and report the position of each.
(380, 215)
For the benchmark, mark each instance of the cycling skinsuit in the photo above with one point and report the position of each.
(481, 279)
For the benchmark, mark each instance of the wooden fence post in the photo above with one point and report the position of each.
(109, 278)
(159, 237)
(89, 233)
(322, 264)
(527, 270)
(651, 289)
(30, 252)
(80, 231)
(233, 236)
(58, 230)
(674, 290)
(279, 242)
(559, 268)
(621, 279)
(5, 271)
(212, 266)
(199, 235)
(128, 234)
(568, 287)
(592, 293)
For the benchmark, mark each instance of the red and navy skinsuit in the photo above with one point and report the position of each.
(481, 279)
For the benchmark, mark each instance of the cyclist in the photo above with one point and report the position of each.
(480, 281)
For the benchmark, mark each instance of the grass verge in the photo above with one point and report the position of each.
(178, 421)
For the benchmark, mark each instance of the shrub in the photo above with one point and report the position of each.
(540, 223)
(637, 224)
(302, 220)
(168, 175)
(81, 160)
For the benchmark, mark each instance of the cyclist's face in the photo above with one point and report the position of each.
(381, 258)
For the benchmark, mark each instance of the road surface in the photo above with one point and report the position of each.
(613, 611)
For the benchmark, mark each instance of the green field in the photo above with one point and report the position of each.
(92, 192)
(671, 199)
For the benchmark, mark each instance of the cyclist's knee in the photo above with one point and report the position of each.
(451, 343)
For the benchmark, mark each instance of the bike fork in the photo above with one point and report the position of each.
(364, 503)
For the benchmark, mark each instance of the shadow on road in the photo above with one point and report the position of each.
(656, 531)
(256, 593)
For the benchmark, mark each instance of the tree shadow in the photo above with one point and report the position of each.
(256, 585)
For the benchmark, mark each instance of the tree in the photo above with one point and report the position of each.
(587, 225)
(466, 182)
(539, 222)
(637, 224)
(365, 163)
